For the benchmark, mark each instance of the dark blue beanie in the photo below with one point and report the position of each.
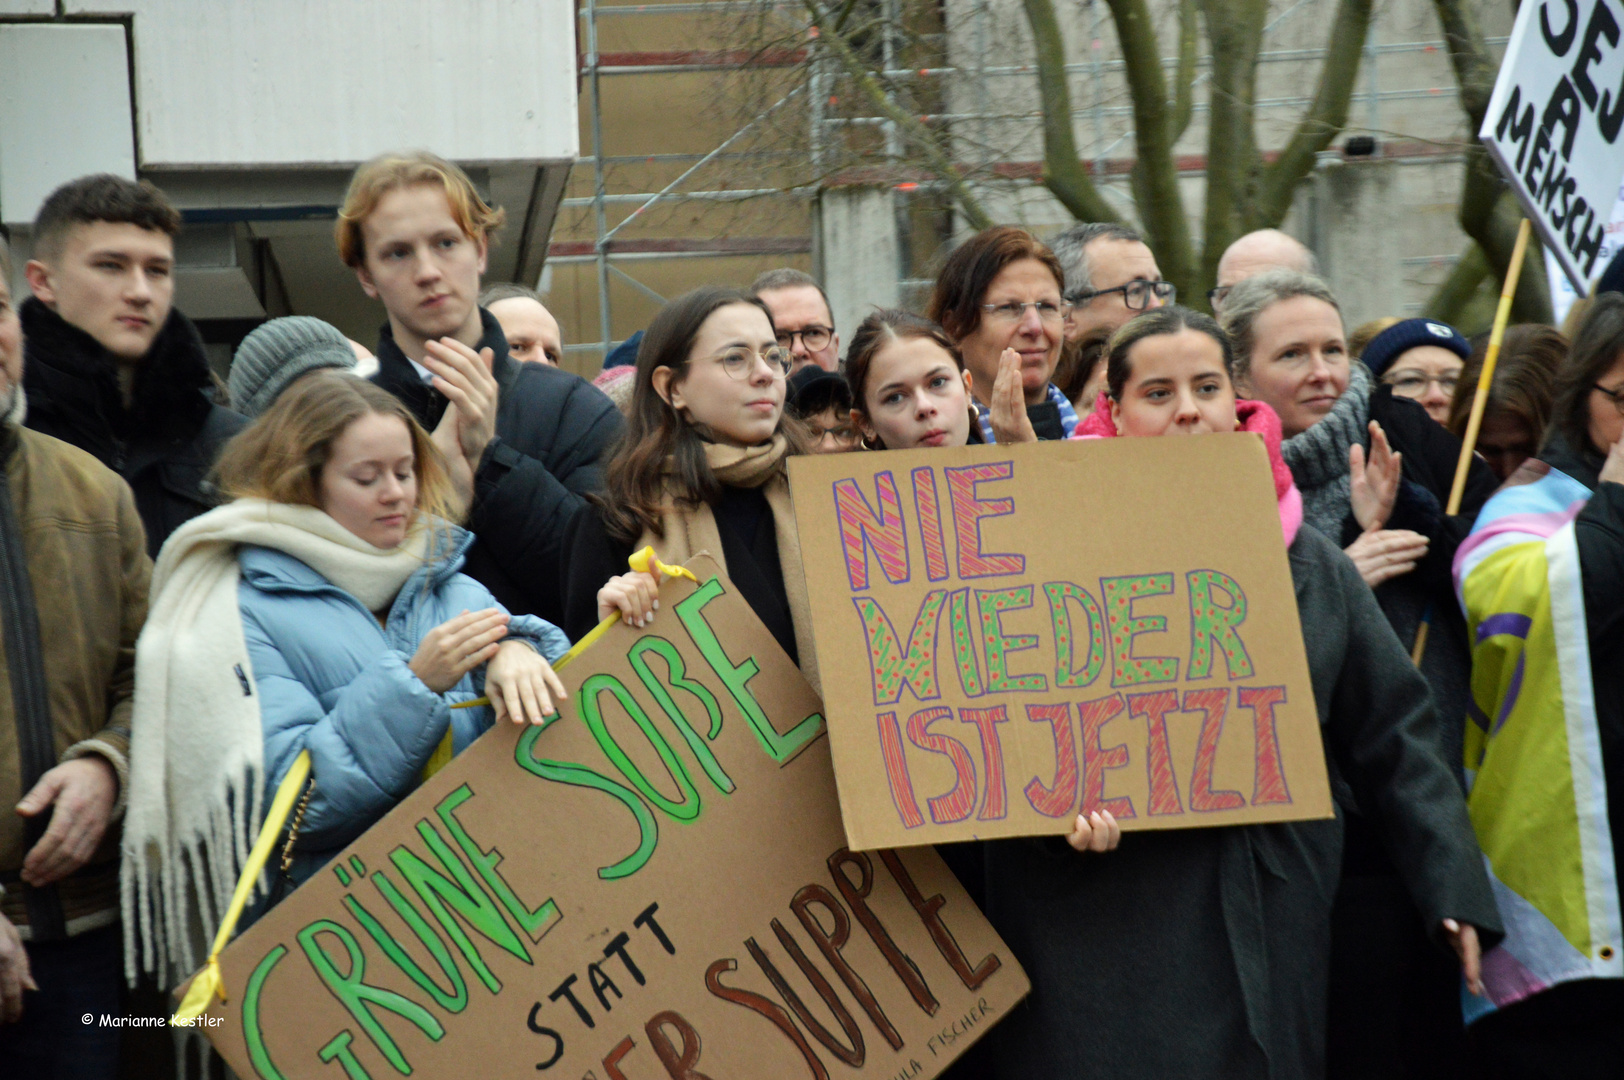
(1399, 338)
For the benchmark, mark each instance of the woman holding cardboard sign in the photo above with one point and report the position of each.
(1205, 952)
(322, 610)
(701, 468)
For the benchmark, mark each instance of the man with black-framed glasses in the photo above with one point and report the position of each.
(1111, 276)
(802, 316)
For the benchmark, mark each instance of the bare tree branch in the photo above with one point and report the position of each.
(1155, 173)
(1184, 76)
(1489, 213)
(1235, 36)
(1064, 173)
(1324, 118)
(908, 125)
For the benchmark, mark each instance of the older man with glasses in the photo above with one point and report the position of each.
(802, 316)
(1111, 276)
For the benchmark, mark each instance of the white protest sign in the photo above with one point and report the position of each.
(1554, 125)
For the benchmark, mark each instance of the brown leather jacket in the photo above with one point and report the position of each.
(85, 552)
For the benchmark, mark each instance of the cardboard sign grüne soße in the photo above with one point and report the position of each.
(1029, 631)
(653, 886)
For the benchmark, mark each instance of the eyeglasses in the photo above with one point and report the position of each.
(1413, 384)
(1615, 395)
(813, 337)
(844, 434)
(1014, 311)
(740, 362)
(1215, 297)
(1136, 294)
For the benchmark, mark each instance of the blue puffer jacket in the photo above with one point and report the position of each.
(335, 682)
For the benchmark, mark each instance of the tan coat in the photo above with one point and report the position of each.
(87, 562)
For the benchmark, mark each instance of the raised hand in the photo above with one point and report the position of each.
(465, 378)
(1010, 424)
(1375, 483)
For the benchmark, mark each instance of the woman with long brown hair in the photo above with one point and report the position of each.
(320, 610)
(701, 469)
(909, 385)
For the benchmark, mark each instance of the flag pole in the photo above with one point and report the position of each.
(1480, 400)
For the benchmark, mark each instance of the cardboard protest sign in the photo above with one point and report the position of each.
(653, 886)
(1553, 125)
(1021, 632)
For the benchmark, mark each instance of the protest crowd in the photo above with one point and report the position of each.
(344, 542)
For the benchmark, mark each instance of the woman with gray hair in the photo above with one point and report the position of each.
(1375, 473)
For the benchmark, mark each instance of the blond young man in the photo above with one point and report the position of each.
(526, 442)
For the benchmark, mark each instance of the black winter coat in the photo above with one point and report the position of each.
(1204, 953)
(554, 433)
(163, 445)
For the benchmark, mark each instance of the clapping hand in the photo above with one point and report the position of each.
(1010, 424)
(1374, 483)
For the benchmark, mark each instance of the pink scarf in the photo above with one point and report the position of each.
(1254, 416)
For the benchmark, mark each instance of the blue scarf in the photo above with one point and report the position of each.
(1068, 415)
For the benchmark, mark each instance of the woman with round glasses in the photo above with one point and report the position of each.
(1421, 359)
(999, 297)
(1542, 581)
(701, 468)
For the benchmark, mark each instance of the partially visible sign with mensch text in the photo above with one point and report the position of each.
(1554, 125)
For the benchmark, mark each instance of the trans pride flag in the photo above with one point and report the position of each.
(1537, 795)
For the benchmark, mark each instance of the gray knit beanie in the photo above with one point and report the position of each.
(279, 351)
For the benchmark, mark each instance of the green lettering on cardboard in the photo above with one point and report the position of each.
(567, 772)
(991, 605)
(1066, 674)
(1212, 624)
(535, 923)
(964, 645)
(339, 1047)
(359, 998)
(891, 666)
(736, 677)
(454, 1000)
(465, 898)
(1120, 594)
(679, 679)
(252, 1033)
(587, 699)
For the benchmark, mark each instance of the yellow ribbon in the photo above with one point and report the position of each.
(208, 983)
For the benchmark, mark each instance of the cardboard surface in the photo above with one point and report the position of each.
(1554, 126)
(1009, 634)
(663, 899)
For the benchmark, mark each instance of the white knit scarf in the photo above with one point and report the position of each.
(196, 747)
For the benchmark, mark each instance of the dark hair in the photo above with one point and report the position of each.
(1595, 350)
(1071, 248)
(1163, 320)
(508, 290)
(661, 460)
(955, 303)
(787, 277)
(1530, 357)
(881, 329)
(101, 197)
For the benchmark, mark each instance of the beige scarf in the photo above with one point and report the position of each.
(692, 531)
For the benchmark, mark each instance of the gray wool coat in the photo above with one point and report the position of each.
(1204, 952)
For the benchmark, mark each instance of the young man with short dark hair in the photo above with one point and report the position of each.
(525, 442)
(112, 367)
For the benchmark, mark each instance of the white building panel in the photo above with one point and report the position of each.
(312, 82)
(64, 110)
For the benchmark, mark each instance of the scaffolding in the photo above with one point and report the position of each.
(978, 84)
